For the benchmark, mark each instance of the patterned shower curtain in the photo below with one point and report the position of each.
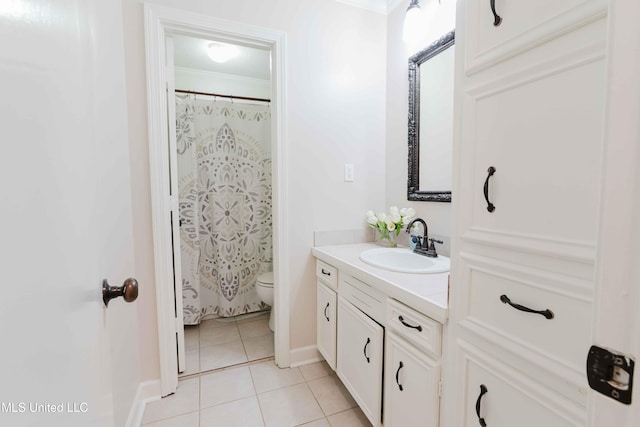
(224, 170)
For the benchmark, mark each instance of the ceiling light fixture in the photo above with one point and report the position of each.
(221, 52)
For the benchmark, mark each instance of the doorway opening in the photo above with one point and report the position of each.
(222, 152)
(163, 27)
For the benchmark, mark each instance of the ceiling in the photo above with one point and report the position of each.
(190, 52)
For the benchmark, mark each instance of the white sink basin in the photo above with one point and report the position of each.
(403, 260)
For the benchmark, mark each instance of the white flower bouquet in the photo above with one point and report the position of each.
(391, 224)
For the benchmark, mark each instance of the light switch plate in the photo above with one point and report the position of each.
(348, 172)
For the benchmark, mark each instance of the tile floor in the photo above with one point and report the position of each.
(231, 380)
(258, 394)
(219, 343)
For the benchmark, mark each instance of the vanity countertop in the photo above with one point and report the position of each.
(427, 293)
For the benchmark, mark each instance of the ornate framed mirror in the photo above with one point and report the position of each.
(431, 76)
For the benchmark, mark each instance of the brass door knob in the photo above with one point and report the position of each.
(128, 290)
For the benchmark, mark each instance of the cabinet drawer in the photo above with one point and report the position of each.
(327, 274)
(510, 398)
(562, 338)
(363, 296)
(415, 327)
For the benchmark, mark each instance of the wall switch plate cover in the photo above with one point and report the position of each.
(348, 172)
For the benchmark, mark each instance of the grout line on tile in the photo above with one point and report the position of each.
(316, 399)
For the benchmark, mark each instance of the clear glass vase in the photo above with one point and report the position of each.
(386, 238)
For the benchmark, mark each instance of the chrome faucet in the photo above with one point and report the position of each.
(422, 245)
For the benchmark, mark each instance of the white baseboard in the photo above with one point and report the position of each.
(147, 392)
(304, 355)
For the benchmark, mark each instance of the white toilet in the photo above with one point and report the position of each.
(264, 287)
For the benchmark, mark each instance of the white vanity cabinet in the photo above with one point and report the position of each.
(529, 109)
(385, 352)
(327, 299)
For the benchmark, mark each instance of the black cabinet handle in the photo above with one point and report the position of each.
(365, 350)
(400, 366)
(401, 319)
(546, 313)
(325, 312)
(325, 272)
(483, 391)
(490, 206)
(497, 20)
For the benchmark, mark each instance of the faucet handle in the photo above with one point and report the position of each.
(432, 246)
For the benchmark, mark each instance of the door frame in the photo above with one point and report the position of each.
(159, 22)
(616, 320)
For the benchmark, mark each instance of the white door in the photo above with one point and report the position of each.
(608, 58)
(65, 219)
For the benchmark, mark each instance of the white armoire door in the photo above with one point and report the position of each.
(530, 109)
(65, 220)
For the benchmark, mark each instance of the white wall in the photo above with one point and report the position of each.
(336, 78)
(436, 214)
(224, 84)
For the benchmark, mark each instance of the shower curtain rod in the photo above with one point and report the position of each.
(224, 96)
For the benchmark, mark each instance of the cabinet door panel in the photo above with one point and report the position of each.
(417, 403)
(359, 358)
(542, 132)
(326, 323)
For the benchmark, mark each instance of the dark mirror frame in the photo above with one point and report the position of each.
(413, 186)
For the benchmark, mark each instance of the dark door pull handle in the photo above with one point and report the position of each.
(400, 366)
(365, 350)
(497, 20)
(325, 272)
(546, 313)
(483, 391)
(401, 319)
(325, 312)
(490, 206)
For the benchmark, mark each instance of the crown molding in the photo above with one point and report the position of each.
(379, 6)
